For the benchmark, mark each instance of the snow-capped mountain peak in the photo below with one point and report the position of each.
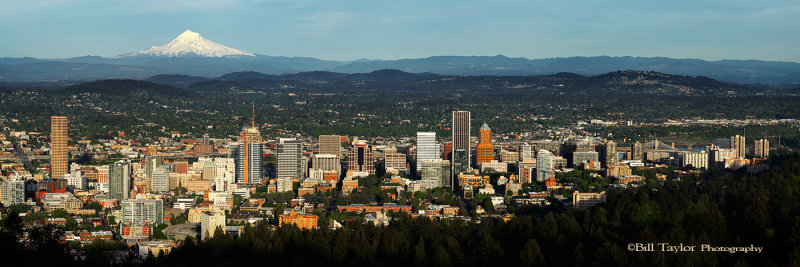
(190, 43)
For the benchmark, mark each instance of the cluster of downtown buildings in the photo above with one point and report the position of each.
(144, 190)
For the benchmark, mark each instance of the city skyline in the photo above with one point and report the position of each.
(711, 30)
(401, 133)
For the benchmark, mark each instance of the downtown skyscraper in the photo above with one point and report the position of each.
(608, 153)
(461, 148)
(290, 159)
(361, 159)
(485, 149)
(58, 146)
(761, 149)
(545, 162)
(427, 149)
(248, 155)
(330, 144)
(119, 180)
(738, 146)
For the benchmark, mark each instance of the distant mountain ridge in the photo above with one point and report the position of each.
(137, 67)
(191, 54)
(619, 82)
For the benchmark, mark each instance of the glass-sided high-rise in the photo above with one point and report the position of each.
(290, 158)
(119, 180)
(427, 149)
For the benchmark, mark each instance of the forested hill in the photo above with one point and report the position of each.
(125, 87)
(619, 82)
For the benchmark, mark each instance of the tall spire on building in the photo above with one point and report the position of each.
(249, 151)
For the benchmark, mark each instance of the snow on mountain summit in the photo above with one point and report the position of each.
(190, 43)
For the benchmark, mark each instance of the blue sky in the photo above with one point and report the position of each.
(378, 29)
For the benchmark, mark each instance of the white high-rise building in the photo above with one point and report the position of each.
(761, 148)
(545, 162)
(696, 159)
(427, 149)
(248, 156)
(150, 164)
(12, 190)
(290, 159)
(159, 179)
(225, 175)
(738, 146)
(209, 221)
(526, 152)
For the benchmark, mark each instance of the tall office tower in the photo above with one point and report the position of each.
(141, 212)
(738, 146)
(461, 148)
(150, 163)
(545, 162)
(436, 173)
(609, 153)
(248, 160)
(636, 152)
(526, 152)
(206, 140)
(58, 146)
(762, 148)
(290, 159)
(361, 159)
(485, 149)
(119, 180)
(160, 179)
(330, 144)
(427, 149)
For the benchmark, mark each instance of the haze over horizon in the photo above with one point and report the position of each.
(349, 30)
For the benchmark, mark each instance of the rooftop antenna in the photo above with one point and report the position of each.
(253, 121)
